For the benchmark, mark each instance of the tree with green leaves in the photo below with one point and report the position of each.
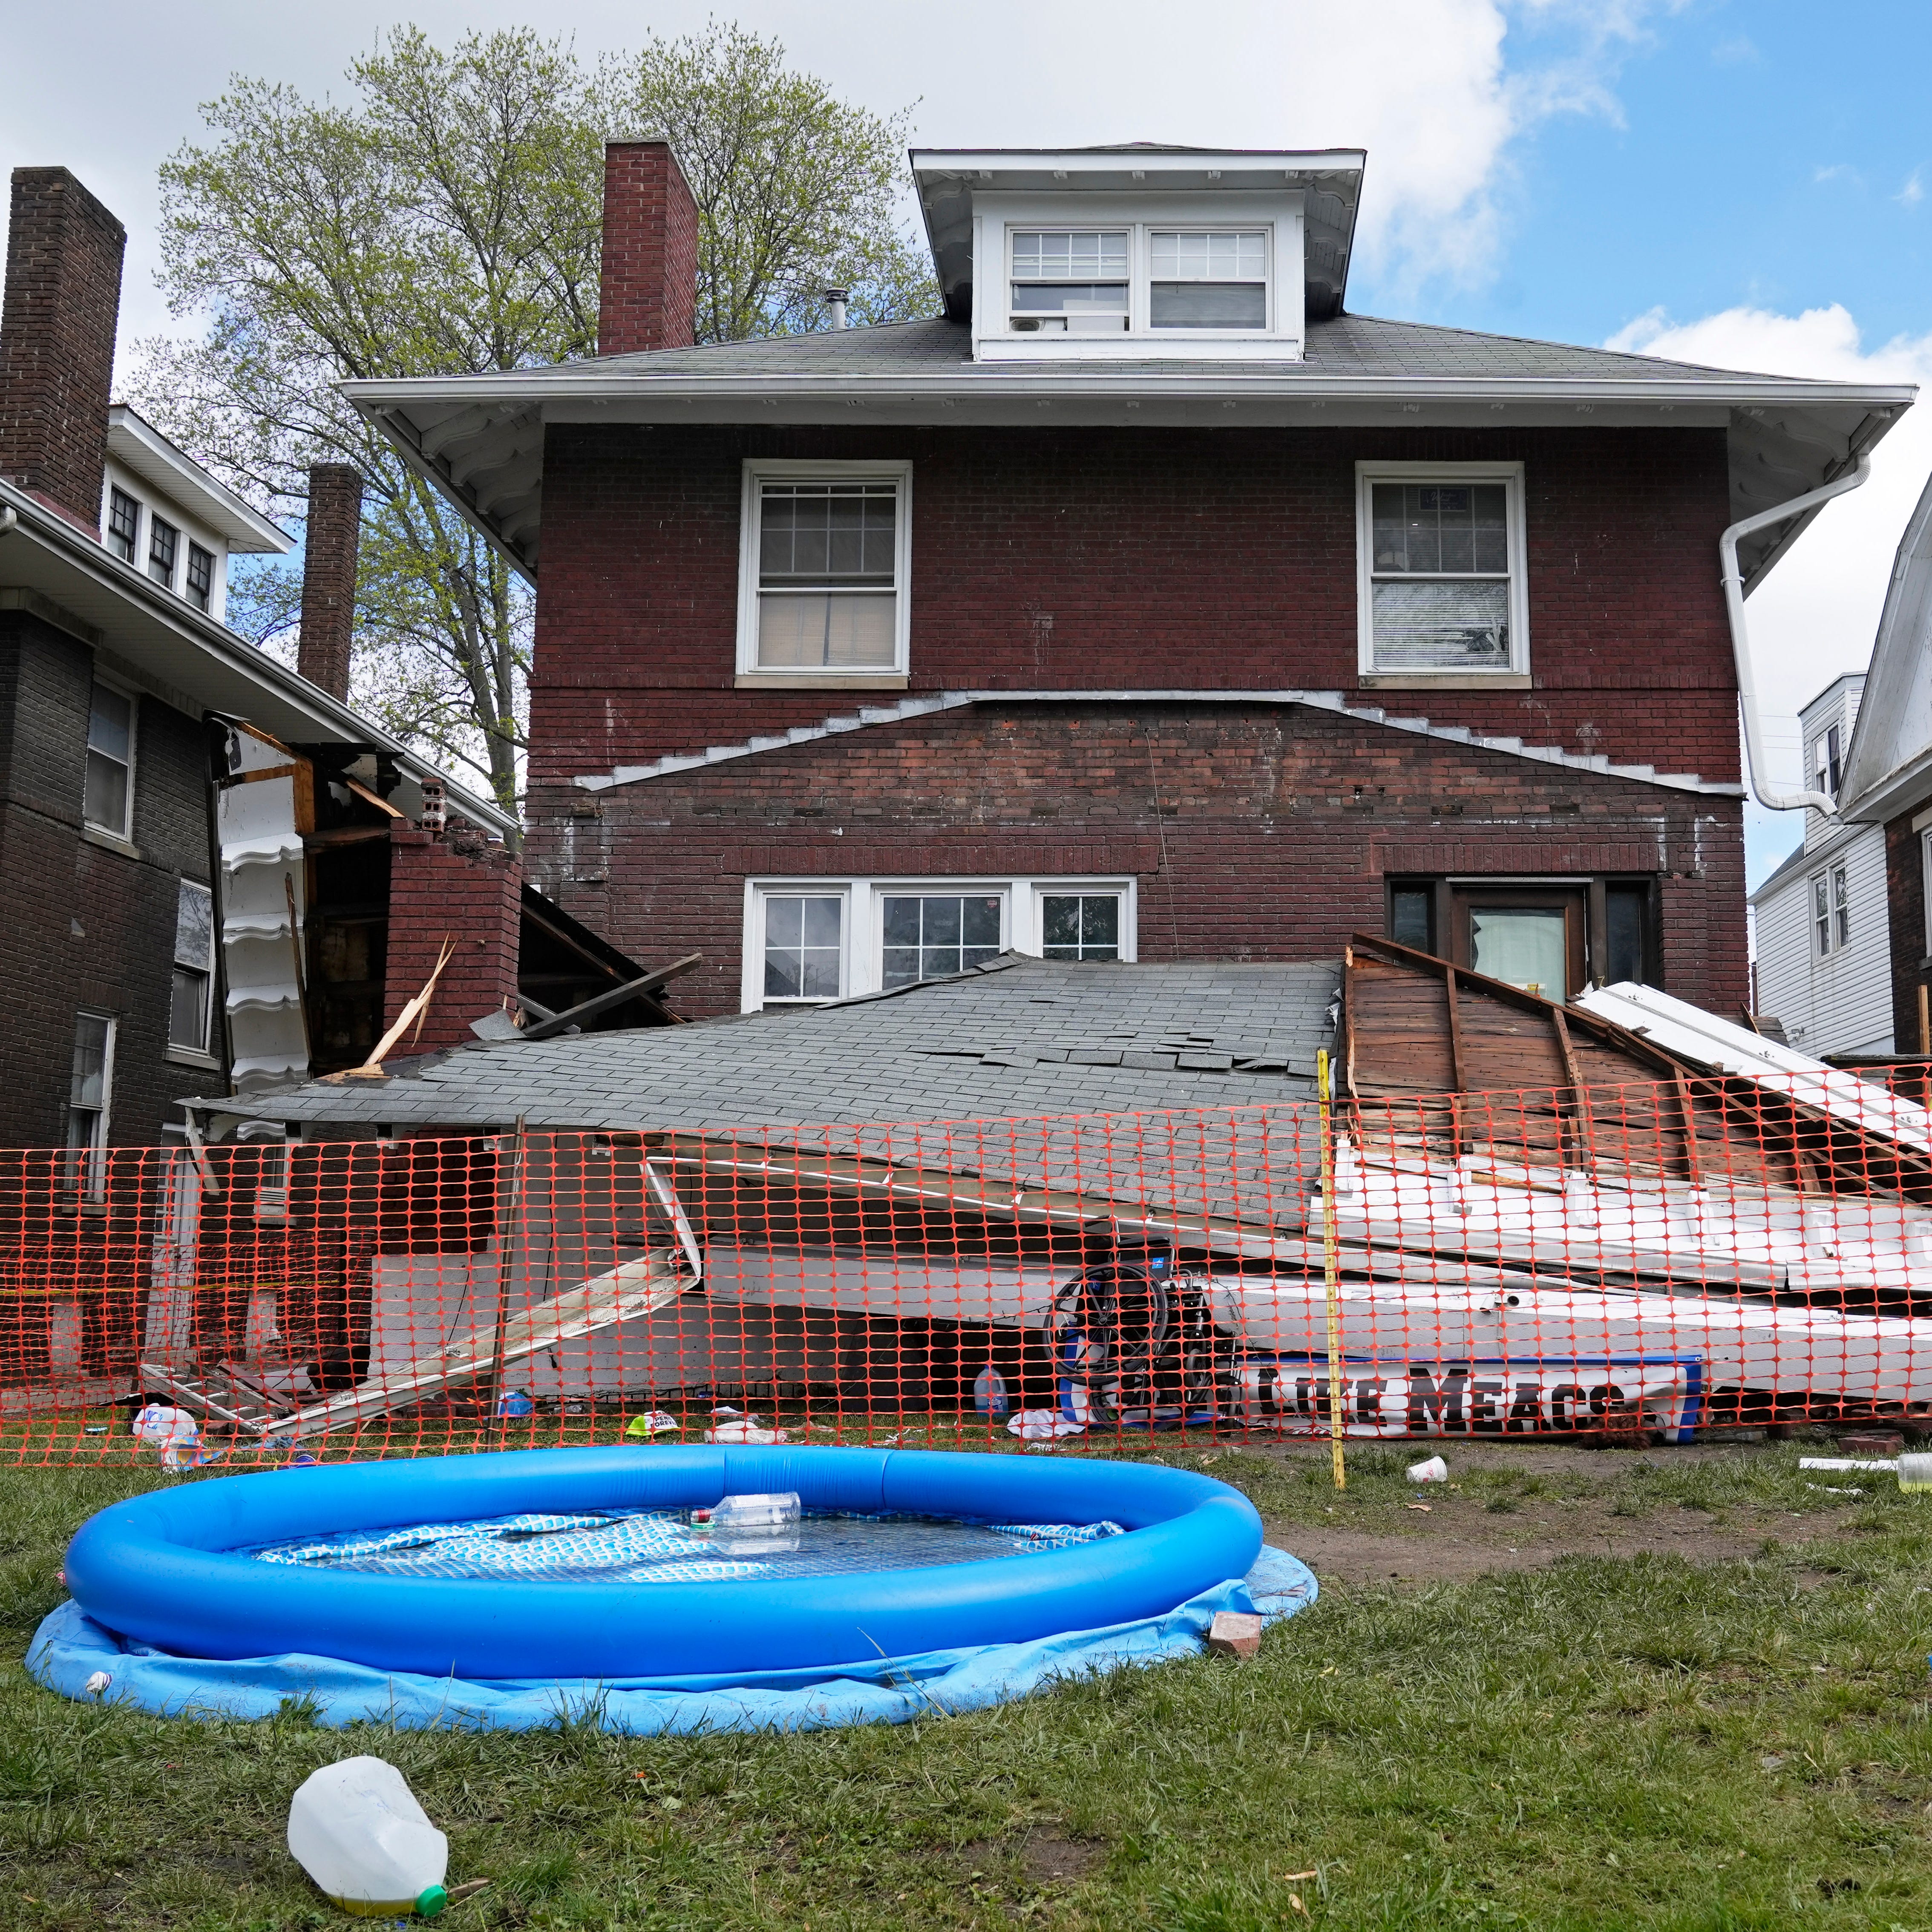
(446, 220)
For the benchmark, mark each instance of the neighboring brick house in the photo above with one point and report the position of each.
(176, 811)
(1147, 605)
(1887, 790)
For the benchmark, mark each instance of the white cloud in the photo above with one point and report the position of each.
(1913, 192)
(1815, 616)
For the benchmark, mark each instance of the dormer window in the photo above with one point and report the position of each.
(1142, 277)
(1207, 278)
(1069, 281)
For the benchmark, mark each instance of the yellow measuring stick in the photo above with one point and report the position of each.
(1331, 1269)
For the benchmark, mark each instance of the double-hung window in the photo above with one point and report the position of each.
(199, 586)
(1442, 591)
(1139, 278)
(107, 793)
(822, 593)
(163, 547)
(191, 1006)
(90, 1093)
(1827, 761)
(1207, 278)
(1831, 910)
(124, 524)
(1070, 281)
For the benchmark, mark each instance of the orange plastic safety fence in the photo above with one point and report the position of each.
(1629, 1261)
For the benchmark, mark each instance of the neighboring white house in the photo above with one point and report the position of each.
(1824, 937)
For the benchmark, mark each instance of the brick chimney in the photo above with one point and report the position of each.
(57, 324)
(329, 576)
(647, 295)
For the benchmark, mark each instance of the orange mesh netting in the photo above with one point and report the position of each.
(1644, 1258)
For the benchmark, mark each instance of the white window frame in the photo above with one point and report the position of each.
(861, 921)
(758, 472)
(200, 1053)
(752, 995)
(1831, 926)
(122, 834)
(1511, 476)
(1278, 217)
(88, 1168)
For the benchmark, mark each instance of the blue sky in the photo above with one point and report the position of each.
(1745, 185)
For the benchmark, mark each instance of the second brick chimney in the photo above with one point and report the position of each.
(57, 325)
(647, 295)
(329, 576)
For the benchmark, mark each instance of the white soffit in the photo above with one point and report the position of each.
(135, 443)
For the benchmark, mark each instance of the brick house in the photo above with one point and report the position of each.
(183, 818)
(1148, 604)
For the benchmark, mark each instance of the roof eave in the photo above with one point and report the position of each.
(336, 721)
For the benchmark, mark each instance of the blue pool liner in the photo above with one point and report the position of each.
(70, 1649)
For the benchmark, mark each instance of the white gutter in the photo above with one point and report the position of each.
(1734, 605)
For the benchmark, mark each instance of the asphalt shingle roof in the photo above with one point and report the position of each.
(1017, 1038)
(1348, 345)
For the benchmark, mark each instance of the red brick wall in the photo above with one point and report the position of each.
(1905, 905)
(455, 888)
(647, 296)
(57, 322)
(1159, 559)
(1255, 832)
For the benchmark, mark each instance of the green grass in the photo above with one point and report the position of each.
(1596, 1744)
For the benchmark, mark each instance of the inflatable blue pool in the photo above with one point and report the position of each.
(228, 1568)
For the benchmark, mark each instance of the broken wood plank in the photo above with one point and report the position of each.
(999, 1200)
(640, 988)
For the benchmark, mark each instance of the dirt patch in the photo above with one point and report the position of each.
(1049, 1859)
(1435, 1533)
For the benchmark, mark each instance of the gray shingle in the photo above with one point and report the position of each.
(986, 1046)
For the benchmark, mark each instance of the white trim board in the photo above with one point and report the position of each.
(1316, 700)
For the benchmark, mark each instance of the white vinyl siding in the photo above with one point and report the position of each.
(1841, 1002)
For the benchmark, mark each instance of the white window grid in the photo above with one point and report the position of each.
(760, 470)
(1167, 251)
(861, 920)
(1511, 476)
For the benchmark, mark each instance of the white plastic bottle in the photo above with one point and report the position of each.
(355, 1827)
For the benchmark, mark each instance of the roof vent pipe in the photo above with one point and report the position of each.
(836, 298)
(1734, 605)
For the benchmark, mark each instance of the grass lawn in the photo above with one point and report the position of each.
(1603, 1741)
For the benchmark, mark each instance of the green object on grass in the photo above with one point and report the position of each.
(431, 1901)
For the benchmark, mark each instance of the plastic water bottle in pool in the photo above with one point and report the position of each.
(750, 1525)
(355, 1827)
(989, 1392)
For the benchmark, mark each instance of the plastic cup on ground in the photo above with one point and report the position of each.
(1433, 1471)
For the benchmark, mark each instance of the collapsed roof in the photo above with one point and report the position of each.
(1016, 1038)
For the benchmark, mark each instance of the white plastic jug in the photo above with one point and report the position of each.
(355, 1827)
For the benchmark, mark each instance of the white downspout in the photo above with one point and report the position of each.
(1734, 604)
